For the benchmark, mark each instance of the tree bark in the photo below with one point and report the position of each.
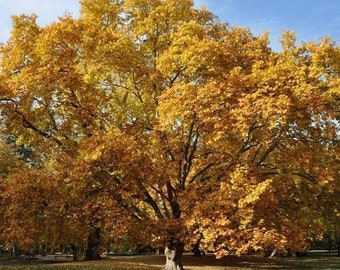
(93, 245)
(74, 252)
(196, 249)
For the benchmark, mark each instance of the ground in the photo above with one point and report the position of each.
(153, 262)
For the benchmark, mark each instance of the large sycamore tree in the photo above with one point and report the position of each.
(153, 120)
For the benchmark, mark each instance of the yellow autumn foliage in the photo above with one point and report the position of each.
(152, 119)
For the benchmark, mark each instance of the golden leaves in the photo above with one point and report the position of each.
(255, 193)
(141, 107)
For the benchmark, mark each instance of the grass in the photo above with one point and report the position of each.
(190, 263)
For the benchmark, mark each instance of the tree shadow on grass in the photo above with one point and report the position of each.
(230, 262)
(242, 262)
(253, 262)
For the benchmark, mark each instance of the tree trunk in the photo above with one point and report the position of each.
(173, 254)
(93, 245)
(74, 252)
(196, 249)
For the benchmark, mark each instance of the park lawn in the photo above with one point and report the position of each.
(190, 263)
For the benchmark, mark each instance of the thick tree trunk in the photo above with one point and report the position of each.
(196, 249)
(74, 252)
(93, 245)
(173, 254)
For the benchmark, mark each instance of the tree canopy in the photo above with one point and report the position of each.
(153, 119)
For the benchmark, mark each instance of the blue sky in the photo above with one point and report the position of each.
(47, 10)
(310, 19)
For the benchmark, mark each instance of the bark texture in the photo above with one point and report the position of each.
(93, 245)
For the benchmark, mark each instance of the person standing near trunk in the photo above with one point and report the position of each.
(173, 253)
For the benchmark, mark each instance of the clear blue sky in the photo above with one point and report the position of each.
(310, 19)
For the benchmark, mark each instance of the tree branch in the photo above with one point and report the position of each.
(27, 124)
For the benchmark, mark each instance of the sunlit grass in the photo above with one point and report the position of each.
(76, 267)
(80, 266)
(119, 264)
